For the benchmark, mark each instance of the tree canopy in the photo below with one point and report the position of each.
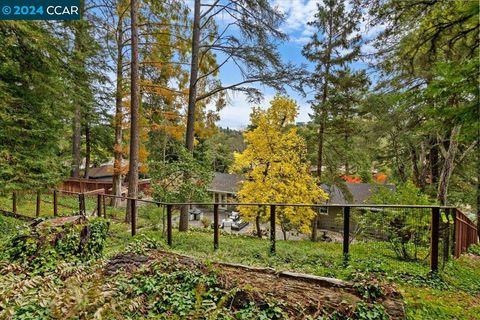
(275, 167)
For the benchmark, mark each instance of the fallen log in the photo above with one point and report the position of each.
(61, 221)
(313, 294)
(16, 215)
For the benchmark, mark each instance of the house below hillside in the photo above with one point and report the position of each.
(100, 179)
(356, 193)
(224, 188)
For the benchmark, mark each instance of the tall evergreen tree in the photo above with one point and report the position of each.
(252, 48)
(33, 106)
(333, 46)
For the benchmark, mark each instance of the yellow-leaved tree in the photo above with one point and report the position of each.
(276, 168)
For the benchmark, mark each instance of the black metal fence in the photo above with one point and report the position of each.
(415, 232)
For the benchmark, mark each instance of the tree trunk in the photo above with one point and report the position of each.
(134, 106)
(192, 96)
(323, 112)
(88, 149)
(192, 93)
(434, 164)
(416, 171)
(118, 121)
(321, 131)
(284, 230)
(76, 141)
(448, 166)
(77, 113)
(424, 167)
(419, 166)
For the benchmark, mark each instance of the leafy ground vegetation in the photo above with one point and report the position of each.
(51, 273)
(63, 282)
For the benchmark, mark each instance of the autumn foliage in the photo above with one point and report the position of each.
(275, 167)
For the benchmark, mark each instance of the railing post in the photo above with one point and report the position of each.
(81, 203)
(346, 232)
(55, 203)
(169, 224)
(215, 226)
(454, 232)
(272, 229)
(314, 226)
(14, 202)
(99, 205)
(446, 237)
(133, 215)
(37, 213)
(434, 239)
(104, 207)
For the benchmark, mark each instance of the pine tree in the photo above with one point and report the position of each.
(334, 45)
(33, 106)
(428, 56)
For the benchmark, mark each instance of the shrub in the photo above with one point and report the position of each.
(205, 222)
(474, 249)
(40, 249)
(144, 243)
(406, 229)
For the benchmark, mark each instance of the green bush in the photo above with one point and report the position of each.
(40, 249)
(474, 249)
(407, 229)
(143, 243)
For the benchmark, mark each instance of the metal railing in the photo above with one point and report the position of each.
(456, 234)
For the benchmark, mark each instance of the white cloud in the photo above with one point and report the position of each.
(298, 13)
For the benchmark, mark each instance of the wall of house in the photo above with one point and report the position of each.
(84, 185)
(332, 220)
(224, 198)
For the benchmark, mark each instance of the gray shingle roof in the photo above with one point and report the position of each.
(225, 182)
(102, 171)
(359, 191)
(230, 183)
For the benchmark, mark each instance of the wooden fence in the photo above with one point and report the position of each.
(80, 185)
(84, 185)
(466, 233)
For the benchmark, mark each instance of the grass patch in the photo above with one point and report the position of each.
(27, 204)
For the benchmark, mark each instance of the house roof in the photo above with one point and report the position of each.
(102, 171)
(225, 182)
(105, 170)
(360, 192)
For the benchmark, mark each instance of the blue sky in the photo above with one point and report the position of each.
(236, 113)
(298, 13)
